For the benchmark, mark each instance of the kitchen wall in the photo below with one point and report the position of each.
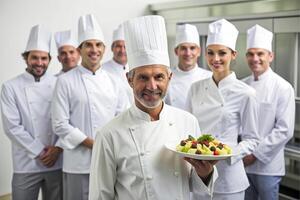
(16, 19)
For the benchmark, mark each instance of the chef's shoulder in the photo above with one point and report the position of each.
(282, 84)
(117, 125)
(69, 76)
(199, 85)
(179, 115)
(244, 89)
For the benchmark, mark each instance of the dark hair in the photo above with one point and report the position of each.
(26, 54)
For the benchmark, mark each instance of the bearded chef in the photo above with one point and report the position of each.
(265, 166)
(84, 100)
(129, 159)
(26, 107)
(118, 66)
(226, 107)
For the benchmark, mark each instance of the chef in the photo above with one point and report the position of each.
(84, 100)
(68, 54)
(225, 107)
(25, 108)
(188, 50)
(118, 66)
(265, 166)
(129, 158)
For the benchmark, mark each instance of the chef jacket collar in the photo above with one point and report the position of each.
(31, 77)
(263, 75)
(87, 71)
(125, 68)
(138, 113)
(188, 72)
(226, 81)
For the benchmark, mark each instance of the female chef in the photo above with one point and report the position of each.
(225, 107)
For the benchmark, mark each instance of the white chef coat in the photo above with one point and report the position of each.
(131, 162)
(180, 84)
(26, 107)
(119, 74)
(276, 122)
(224, 111)
(83, 102)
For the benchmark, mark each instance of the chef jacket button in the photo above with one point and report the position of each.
(176, 174)
(132, 129)
(170, 124)
(142, 154)
(222, 105)
(149, 178)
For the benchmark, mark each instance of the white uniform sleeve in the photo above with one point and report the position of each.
(197, 187)
(70, 137)
(249, 129)
(283, 128)
(12, 124)
(103, 170)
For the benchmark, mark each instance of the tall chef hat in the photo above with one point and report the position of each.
(259, 37)
(222, 32)
(187, 33)
(146, 41)
(39, 39)
(64, 38)
(89, 29)
(118, 33)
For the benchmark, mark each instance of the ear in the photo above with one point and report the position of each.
(234, 55)
(170, 77)
(130, 82)
(271, 57)
(176, 51)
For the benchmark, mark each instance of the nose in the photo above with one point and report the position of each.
(39, 61)
(188, 51)
(255, 57)
(216, 57)
(151, 84)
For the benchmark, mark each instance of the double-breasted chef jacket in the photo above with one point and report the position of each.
(180, 84)
(26, 107)
(276, 116)
(83, 102)
(130, 160)
(225, 111)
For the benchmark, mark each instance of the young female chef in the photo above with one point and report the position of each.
(225, 107)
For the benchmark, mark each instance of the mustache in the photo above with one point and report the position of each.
(152, 92)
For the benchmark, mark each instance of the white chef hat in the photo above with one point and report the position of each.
(187, 33)
(89, 29)
(39, 39)
(146, 41)
(259, 37)
(64, 38)
(118, 33)
(222, 32)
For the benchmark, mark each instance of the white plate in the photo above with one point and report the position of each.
(172, 147)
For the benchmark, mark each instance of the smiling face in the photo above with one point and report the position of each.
(218, 58)
(259, 60)
(37, 63)
(68, 56)
(91, 52)
(119, 51)
(149, 85)
(187, 53)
